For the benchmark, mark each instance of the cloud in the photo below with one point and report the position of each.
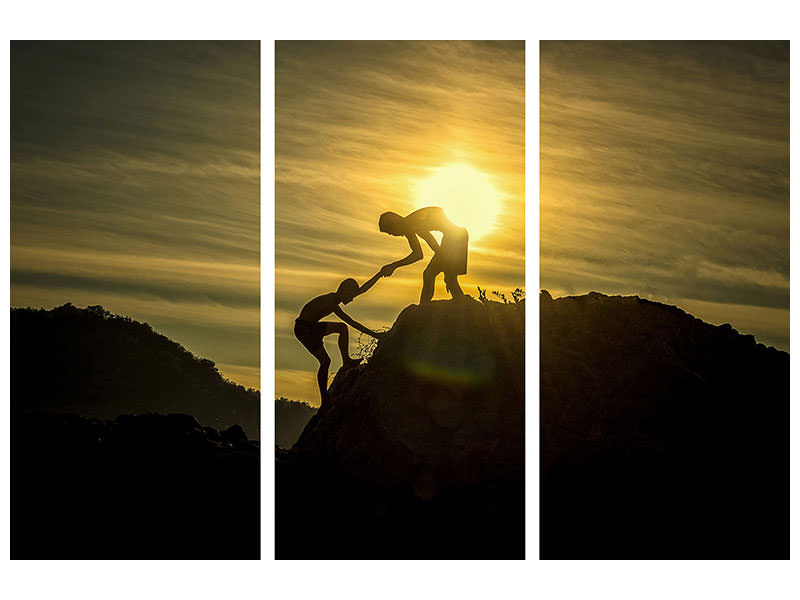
(249, 377)
(664, 171)
(297, 384)
(357, 126)
(135, 184)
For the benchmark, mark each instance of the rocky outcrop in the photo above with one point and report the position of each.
(138, 487)
(661, 436)
(420, 452)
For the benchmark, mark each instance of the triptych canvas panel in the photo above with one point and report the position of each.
(401, 382)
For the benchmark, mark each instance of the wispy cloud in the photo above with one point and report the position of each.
(358, 125)
(135, 184)
(664, 172)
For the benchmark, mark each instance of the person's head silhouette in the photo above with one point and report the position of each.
(347, 290)
(391, 223)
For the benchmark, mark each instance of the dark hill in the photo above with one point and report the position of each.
(99, 365)
(291, 418)
(420, 453)
(662, 437)
(89, 480)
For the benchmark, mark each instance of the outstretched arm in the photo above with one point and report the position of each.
(368, 284)
(416, 254)
(353, 323)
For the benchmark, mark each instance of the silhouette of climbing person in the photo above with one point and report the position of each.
(309, 330)
(449, 257)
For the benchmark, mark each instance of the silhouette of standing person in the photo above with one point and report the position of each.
(449, 257)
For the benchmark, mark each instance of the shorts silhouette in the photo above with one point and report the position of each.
(309, 333)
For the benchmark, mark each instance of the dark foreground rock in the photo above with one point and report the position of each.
(662, 437)
(420, 453)
(138, 487)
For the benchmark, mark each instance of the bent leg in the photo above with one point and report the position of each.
(429, 282)
(453, 286)
(344, 342)
(322, 373)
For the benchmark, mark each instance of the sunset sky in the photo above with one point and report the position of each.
(366, 127)
(665, 173)
(135, 185)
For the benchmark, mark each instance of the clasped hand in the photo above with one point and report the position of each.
(387, 270)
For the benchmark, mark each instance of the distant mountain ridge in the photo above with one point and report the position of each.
(99, 365)
(291, 417)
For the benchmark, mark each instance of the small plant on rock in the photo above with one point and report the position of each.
(366, 344)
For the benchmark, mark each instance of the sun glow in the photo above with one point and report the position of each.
(466, 194)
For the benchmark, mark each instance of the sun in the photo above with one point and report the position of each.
(466, 194)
